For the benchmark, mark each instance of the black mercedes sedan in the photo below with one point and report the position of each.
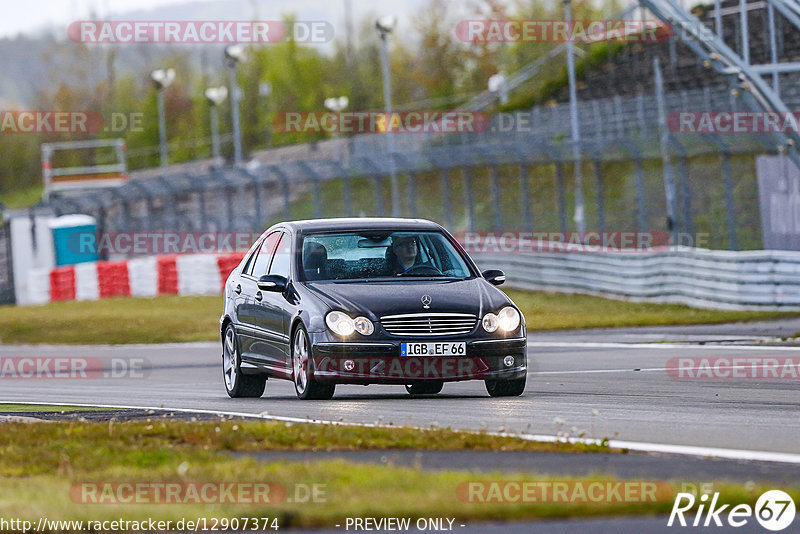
(367, 301)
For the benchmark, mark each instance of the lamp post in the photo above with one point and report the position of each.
(580, 216)
(264, 91)
(215, 97)
(337, 105)
(498, 86)
(162, 78)
(233, 55)
(385, 26)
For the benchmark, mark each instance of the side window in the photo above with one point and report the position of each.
(264, 255)
(282, 260)
(248, 266)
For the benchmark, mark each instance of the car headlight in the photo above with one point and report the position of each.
(490, 322)
(340, 323)
(507, 320)
(364, 326)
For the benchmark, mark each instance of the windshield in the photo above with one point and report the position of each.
(375, 255)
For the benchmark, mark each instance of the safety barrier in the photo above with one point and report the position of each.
(757, 280)
(191, 274)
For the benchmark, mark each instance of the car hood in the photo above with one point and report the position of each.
(377, 299)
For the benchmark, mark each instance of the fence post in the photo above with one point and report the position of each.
(601, 195)
(148, 202)
(317, 200)
(561, 200)
(201, 207)
(448, 205)
(561, 196)
(496, 201)
(375, 173)
(641, 214)
(254, 181)
(525, 195)
(285, 191)
(664, 137)
(730, 206)
(727, 177)
(686, 195)
(347, 191)
(411, 185)
(470, 209)
(346, 176)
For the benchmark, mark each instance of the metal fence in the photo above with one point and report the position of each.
(480, 181)
(6, 271)
(499, 178)
(752, 280)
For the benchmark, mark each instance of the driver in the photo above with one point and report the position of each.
(403, 254)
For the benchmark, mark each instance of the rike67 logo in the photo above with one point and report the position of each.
(774, 510)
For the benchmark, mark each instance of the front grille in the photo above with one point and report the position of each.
(429, 324)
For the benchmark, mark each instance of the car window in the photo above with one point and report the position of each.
(248, 265)
(264, 255)
(384, 254)
(280, 263)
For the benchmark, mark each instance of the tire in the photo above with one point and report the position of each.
(238, 384)
(302, 373)
(506, 388)
(424, 388)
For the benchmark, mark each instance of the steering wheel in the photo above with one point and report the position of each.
(421, 269)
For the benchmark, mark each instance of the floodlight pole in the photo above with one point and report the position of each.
(235, 97)
(387, 100)
(162, 127)
(215, 135)
(580, 216)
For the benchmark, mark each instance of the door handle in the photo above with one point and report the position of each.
(238, 289)
(259, 296)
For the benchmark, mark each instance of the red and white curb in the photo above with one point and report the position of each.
(190, 274)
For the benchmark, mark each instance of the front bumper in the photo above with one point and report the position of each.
(380, 362)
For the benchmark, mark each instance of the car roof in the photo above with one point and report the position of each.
(359, 223)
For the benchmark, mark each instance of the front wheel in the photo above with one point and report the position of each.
(238, 384)
(506, 388)
(302, 370)
(424, 388)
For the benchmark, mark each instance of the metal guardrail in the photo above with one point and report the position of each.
(747, 280)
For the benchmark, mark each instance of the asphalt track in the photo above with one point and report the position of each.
(595, 383)
(592, 386)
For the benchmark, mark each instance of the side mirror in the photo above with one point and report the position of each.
(273, 282)
(495, 277)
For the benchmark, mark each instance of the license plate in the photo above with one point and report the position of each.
(433, 349)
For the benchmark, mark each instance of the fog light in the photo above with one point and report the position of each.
(508, 361)
(349, 365)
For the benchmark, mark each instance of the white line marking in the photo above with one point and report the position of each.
(711, 452)
(679, 369)
(669, 346)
